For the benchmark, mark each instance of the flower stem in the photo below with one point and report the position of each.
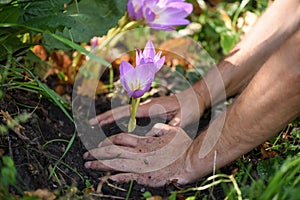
(133, 109)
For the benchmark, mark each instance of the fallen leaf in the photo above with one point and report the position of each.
(40, 51)
(14, 125)
(176, 50)
(42, 194)
(267, 153)
(154, 198)
(9, 119)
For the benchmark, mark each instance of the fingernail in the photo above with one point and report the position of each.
(157, 127)
(87, 164)
(85, 155)
(93, 121)
(99, 145)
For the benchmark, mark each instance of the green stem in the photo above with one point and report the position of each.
(133, 109)
(127, 24)
(129, 190)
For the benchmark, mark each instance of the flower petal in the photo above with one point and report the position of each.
(149, 15)
(161, 27)
(168, 13)
(149, 51)
(126, 87)
(140, 93)
(145, 73)
(125, 67)
(138, 56)
(135, 9)
(159, 63)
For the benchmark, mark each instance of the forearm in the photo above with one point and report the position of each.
(269, 102)
(277, 24)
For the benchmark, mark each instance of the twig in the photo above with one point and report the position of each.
(106, 196)
(16, 128)
(102, 181)
(214, 173)
(115, 187)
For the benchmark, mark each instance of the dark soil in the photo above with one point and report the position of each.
(46, 129)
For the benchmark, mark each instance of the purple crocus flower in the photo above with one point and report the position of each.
(135, 9)
(149, 56)
(160, 14)
(137, 80)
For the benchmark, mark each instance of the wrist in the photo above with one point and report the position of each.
(194, 167)
(201, 92)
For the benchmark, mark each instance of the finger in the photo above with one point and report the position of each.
(160, 129)
(110, 116)
(121, 165)
(123, 139)
(155, 107)
(143, 179)
(110, 152)
(98, 165)
(176, 120)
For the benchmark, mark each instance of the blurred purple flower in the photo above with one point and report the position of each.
(137, 80)
(160, 14)
(94, 43)
(135, 9)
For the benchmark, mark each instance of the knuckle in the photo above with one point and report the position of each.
(95, 164)
(119, 138)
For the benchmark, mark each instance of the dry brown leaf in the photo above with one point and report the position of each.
(154, 198)
(176, 50)
(267, 153)
(16, 126)
(42, 194)
(227, 20)
(7, 117)
(2, 152)
(61, 59)
(40, 51)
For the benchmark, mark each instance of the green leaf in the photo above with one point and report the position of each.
(32, 11)
(179, 69)
(10, 43)
(267, 168)
(147, 194)
(193, 76)
(8, 161)
(52, 43)
(8, 172)
(95, 17)
(9, 15)
(228, 40)
(5, 1)
(78, 22)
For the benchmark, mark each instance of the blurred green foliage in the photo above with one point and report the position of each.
(7, 176)
(75, 20)
(219, 31)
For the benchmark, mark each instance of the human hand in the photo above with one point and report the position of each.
(180, 110)
(151, 160)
